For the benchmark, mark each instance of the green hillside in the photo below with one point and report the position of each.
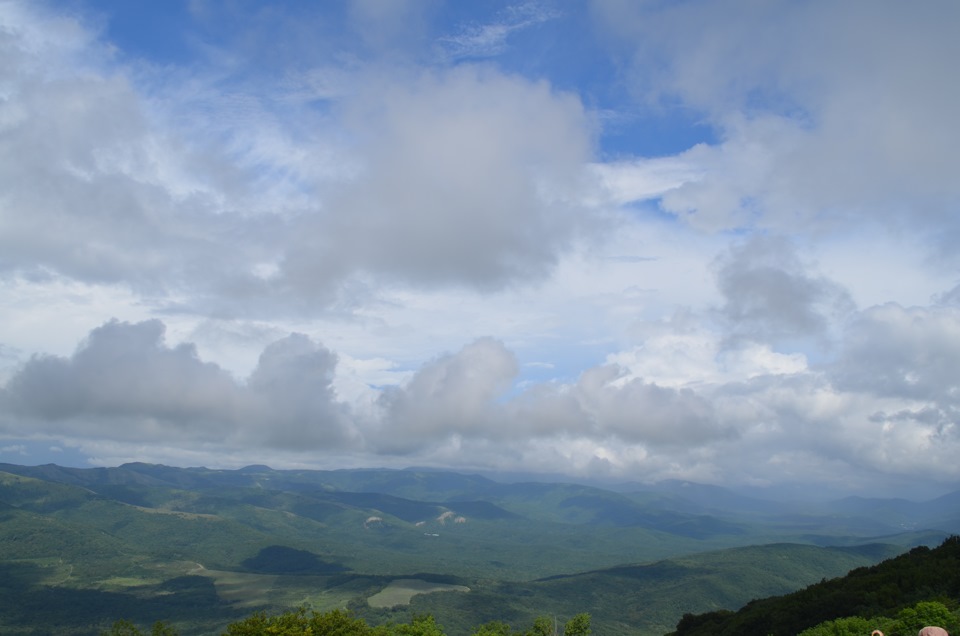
(202, 547)
(885, 589)
(649, 598)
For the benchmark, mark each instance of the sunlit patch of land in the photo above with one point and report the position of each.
(400, 591)
(177, 513)
(244, 589)
(127, 583)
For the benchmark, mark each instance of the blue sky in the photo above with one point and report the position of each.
(614, 240)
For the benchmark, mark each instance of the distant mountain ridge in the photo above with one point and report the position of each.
(670, 505)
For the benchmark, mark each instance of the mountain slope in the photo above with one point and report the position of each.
(649, 599)
(256, 537)
(883, 589)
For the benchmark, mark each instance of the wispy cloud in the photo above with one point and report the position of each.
(483, 40)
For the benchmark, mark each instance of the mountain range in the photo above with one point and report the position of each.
(200, 547)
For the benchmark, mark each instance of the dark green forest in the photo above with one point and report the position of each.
(341, 623)
(873, 594)
(899, 595)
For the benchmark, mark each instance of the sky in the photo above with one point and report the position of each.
(613, 240)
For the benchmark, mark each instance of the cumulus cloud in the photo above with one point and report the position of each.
(125, 372)
(453, 395)
(768, 421)
(94, 190)
(293, 392)
(125, 383)
(464, 395)
(466, 176)
(114, 174)
(685, 352)
(605, 404)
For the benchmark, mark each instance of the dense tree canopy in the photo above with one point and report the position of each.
(342, 623)
(903, 588)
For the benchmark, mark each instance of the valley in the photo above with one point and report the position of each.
(201, 547)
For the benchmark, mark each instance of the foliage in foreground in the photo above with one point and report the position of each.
(908, 622)
(903, 587)
(343, 623)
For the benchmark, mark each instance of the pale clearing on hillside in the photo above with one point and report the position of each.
(400, 591)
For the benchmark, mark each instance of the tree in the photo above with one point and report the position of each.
(259, 624)
(493, 628)
(126, 628)
(342, 623)
(421, 625)
(852, 626)
(579, 625)
(912, 619)
(334, 623)
(542, 626)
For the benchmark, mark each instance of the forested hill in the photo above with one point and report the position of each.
(881, 590)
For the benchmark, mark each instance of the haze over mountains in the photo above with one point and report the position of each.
(582, 503)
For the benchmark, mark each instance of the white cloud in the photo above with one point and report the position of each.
(452, 395)
(125, 383)
(827, 114)
(295, 404)
(124, 373)
(468, 177)
(754, 416)
(625, 182)
(487, 39)
(456, 177)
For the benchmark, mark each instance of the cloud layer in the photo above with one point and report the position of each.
(888, 403)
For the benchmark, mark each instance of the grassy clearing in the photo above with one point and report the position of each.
(123, 583)
(240, 588)
(321, 600)
(400, 591)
